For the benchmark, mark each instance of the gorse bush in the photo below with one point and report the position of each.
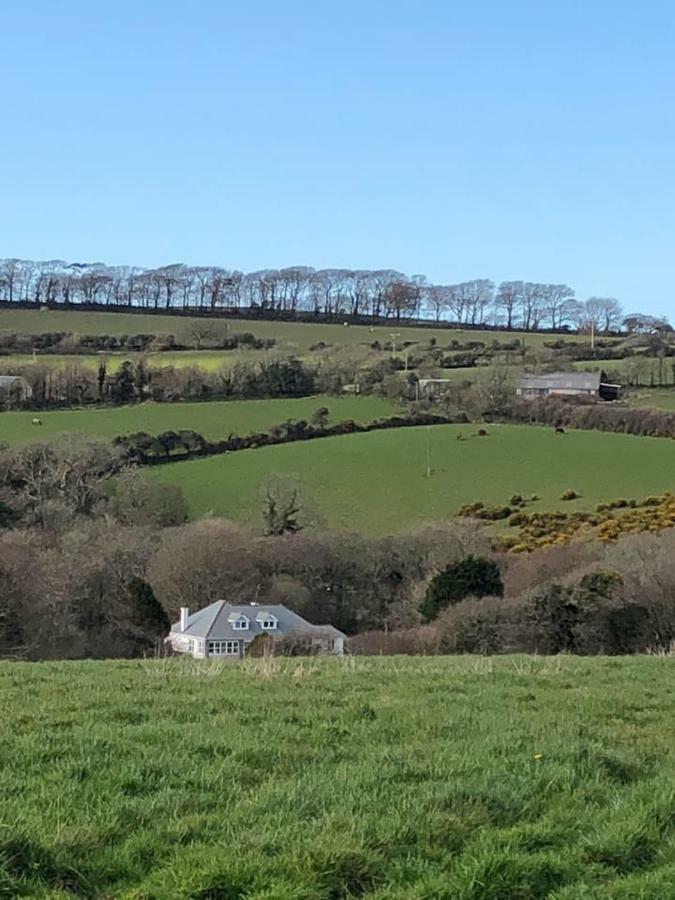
(609, 522)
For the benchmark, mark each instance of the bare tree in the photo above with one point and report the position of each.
(558, 304)
(509, 300)
(604, 312)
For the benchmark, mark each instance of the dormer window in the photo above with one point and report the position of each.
(240, 623)
(267, 621)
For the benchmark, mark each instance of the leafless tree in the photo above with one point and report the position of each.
(558, 304)
(509, 300)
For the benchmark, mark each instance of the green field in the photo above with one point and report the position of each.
(377, 482)
(641, 369)
(214, 419)
(466, 778)
(300, 335)
(209, 360)
(656, 398)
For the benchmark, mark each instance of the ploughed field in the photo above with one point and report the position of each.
(302, 335)
(214, 419)
(464, 778)
(378, 482)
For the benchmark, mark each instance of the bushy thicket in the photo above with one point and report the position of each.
(134, 382)
(71, 342)
(595, 599)
(145, 448)
(575, 413)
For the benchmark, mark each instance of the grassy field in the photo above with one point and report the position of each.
(377, 482)
(209, 360)
(300, 335)
(510, 778)
(656, 398)
(214, 419)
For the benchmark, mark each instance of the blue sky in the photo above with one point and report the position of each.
(459, 140)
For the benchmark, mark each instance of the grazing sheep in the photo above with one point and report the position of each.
(37, 421)
(482, 432)
(559, 429)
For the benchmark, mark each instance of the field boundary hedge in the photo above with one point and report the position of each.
(179, 446)
(601, 416)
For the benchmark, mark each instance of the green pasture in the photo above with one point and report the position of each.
(214, 419)
(643, 370)
(465, 778)
(378, 483)
(209, 360)
(299, 335)
(656, 398)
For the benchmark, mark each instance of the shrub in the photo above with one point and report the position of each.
(473, 576)
(569, 495)
(518, 518)
(516, 500)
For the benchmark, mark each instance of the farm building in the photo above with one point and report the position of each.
(432, 387)
(14, 388)
(570, 384)
(226, 630)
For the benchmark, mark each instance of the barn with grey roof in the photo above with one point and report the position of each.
(570, 384)
(225, 630)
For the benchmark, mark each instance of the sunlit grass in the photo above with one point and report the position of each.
(214, 419)
(378, 482)
(391, 779)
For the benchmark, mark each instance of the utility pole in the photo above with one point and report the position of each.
(393, 337)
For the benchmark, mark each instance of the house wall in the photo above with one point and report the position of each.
(198, 647)
(556, 392)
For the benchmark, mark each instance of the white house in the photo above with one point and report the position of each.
(224, 630)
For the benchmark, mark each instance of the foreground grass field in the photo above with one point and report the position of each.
(301, 335)
(378, 482)
(214, 419)
(509, 778)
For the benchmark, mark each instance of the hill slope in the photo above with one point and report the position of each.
(301, 334)
(377, 482)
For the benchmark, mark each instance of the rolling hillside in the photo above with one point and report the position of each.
(377, 482)
(300, 335)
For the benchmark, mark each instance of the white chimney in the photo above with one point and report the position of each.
(184, 613)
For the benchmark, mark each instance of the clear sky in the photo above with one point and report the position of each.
(498, 139)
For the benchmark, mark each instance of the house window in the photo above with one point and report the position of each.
(268, 624)
(240, 624)
(223, 648)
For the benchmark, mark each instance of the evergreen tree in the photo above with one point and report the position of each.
(474, 576)
(148, 617)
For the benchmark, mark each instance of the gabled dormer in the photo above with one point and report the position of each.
(266, 620)
(239, 621)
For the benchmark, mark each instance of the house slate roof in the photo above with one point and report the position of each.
(215, 622)
(577, 381)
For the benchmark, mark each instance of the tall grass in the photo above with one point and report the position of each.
(383, 778)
